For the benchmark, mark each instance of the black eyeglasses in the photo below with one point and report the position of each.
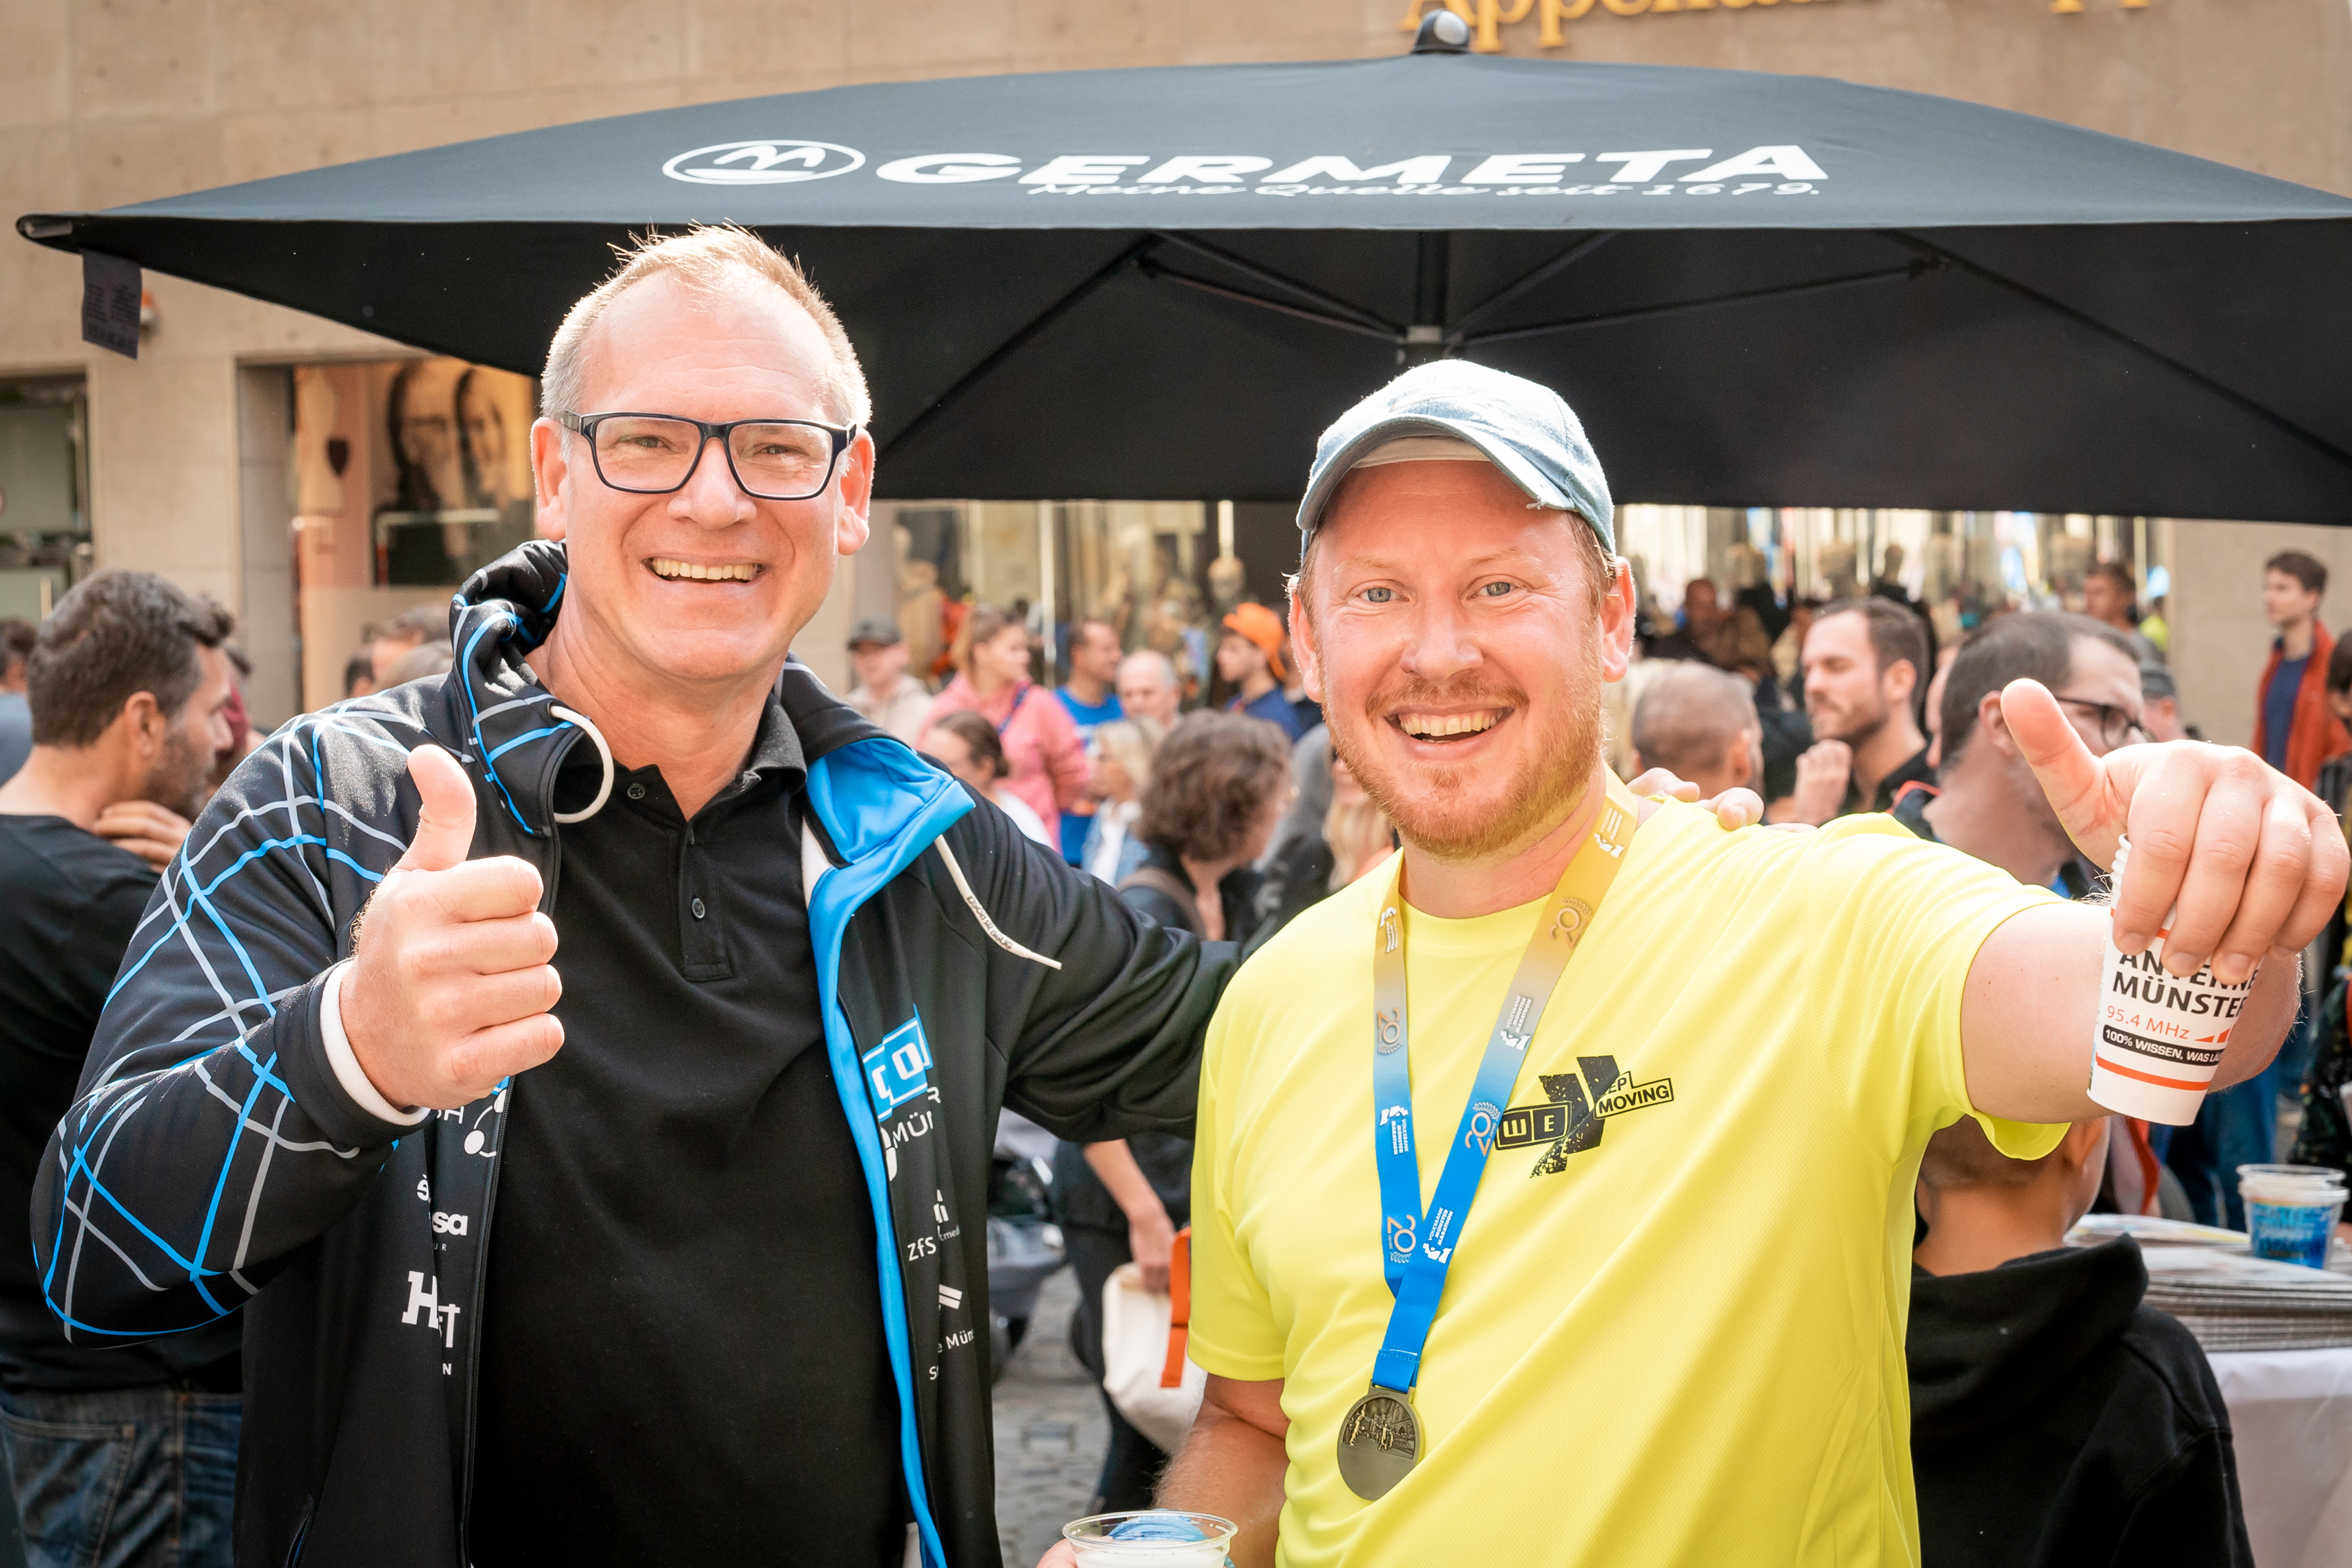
(2117, 726)
(653, 454)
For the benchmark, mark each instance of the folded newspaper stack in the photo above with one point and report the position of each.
(2231, 1299)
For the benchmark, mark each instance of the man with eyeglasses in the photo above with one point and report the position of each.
(1986, 802)
(581, 1070)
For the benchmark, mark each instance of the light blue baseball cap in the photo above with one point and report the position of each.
(1527, 430)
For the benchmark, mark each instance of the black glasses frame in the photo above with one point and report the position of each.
(584, 425)
(2117, 726)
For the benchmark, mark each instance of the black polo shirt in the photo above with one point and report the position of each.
(682, 1352)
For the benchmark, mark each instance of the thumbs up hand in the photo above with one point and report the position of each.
(450, 983)
(2252, 862)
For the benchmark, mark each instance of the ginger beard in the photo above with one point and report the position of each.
(1464, 813)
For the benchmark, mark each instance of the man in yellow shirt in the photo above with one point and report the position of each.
(1552, 1201)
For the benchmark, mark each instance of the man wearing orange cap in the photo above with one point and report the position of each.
(1250, 657)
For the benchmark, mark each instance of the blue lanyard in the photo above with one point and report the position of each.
(1417, 1249)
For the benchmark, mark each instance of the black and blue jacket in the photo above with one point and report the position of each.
(213, 1162)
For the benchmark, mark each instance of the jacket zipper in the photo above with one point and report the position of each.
(552, 874)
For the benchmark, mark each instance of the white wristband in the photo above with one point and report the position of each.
(339, 1056)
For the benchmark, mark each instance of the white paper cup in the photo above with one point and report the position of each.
(2159, 1037)
(1091, 1539)
(2291, 1211)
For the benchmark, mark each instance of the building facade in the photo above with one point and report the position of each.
(315, 478)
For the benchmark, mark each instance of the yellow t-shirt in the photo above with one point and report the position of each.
(1681, 1342)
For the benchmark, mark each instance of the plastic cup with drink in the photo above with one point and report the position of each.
(2159, 1035)
(2291, 1211)
(1154, 1538)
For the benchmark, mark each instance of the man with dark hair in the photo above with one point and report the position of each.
(1702, 613)
(2295, 729)
(2111, 598)
(1864, 662)
(1990, 805)
(127, 688)
(1091, 698)
(16, 716)
(2113, 1444)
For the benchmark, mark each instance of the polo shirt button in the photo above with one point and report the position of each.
(636, 791)
(698, 908)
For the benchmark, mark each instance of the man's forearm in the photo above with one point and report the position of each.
(1114, 1164)
(1233, 1468)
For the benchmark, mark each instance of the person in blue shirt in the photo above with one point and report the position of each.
(1091, 698)
(1249, 656)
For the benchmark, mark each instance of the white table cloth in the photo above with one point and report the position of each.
(2292, 1413)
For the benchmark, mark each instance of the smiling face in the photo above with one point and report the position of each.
(1458, 646)
(707, 585)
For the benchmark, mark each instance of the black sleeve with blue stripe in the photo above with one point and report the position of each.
(209, 1137)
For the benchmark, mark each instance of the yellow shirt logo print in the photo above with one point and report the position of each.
(1570, 1122)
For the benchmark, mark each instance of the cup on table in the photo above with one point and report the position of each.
(1151, 1538)
(2291, 1211)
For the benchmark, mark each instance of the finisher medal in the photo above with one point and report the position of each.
(1379, 1441)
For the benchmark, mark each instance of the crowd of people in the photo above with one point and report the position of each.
(714, 986)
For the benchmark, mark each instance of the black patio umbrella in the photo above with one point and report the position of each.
(1162, 283)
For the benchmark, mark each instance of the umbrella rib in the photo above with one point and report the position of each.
(1154, 271)
(1644, 313)
(1247, 269)
(1013, 344)
(2228, 393)
(1510, 292)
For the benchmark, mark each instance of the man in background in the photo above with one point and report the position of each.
(2159, 698)
(1702, 613)
(404, 635)
(886, 695)
(1249, 658)
(15, 717)
(1699, 724)
(1865, 661)
(1147, 687)
(2054, 1418)
(1989, 804)
(2111, 598)
(1091, 698)
(127, 686)
(2295, 729)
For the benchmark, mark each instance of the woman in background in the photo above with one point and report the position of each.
(1045, 759)
(966, 745)
(1121, 754)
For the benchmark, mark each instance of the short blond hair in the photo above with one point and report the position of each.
(708, 258)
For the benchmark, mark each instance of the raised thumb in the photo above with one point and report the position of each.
(2069, 774)
(444, 826)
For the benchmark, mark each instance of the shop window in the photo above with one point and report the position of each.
(45, 546)
(409, 475)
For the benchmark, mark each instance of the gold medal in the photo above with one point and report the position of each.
(1379, 1440)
